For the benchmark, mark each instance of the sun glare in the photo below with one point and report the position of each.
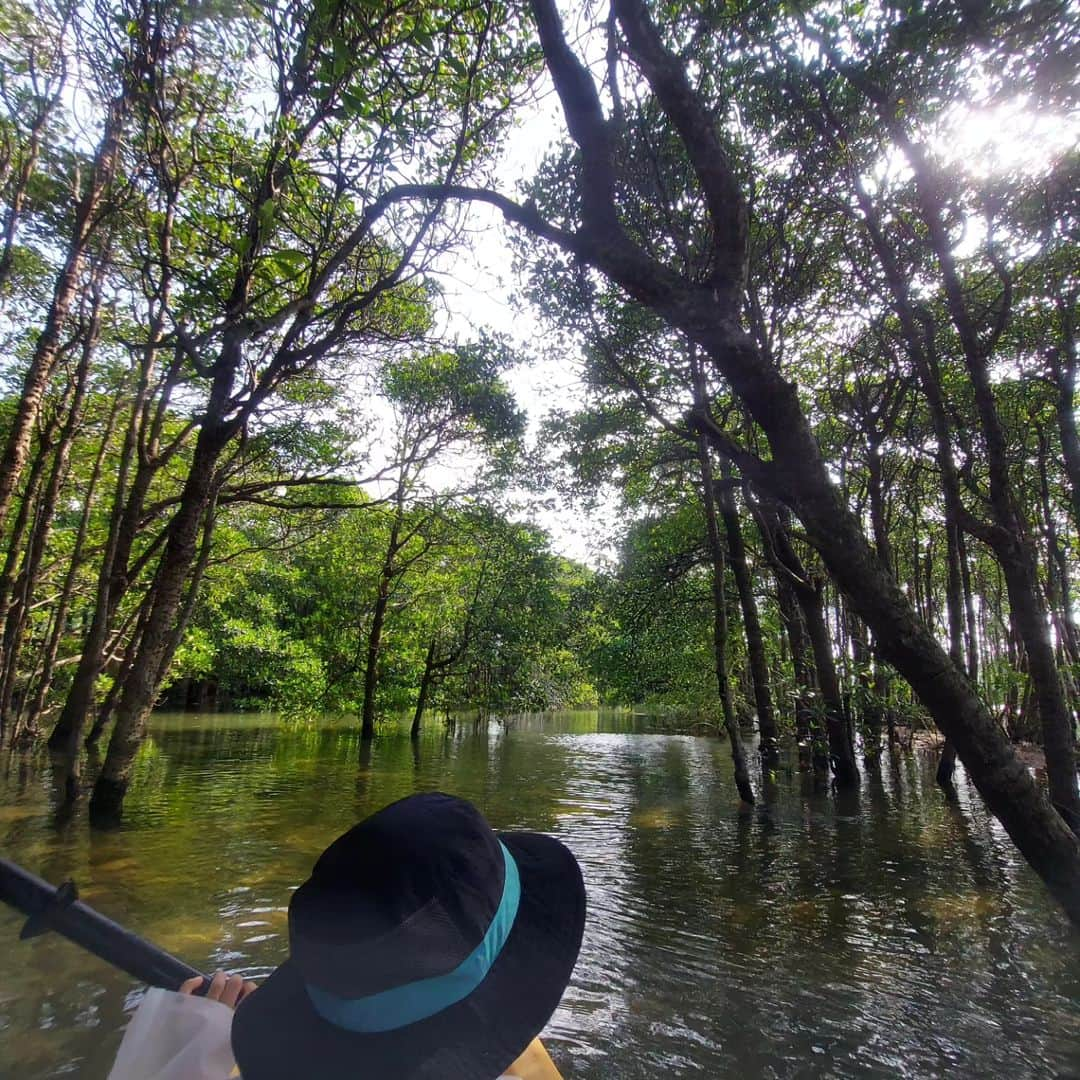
(1011, 137)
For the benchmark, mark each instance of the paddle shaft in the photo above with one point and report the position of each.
(50, 908)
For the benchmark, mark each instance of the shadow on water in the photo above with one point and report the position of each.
(879, 933)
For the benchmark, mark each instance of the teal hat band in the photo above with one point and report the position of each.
(411, 1002)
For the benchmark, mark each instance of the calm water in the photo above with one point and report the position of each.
(890, 935)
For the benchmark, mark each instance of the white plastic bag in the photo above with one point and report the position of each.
(176, 1037)
(179, 1037)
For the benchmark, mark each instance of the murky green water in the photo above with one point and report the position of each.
(891, 935)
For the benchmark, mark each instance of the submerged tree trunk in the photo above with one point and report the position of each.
(997, 772)
(165, 607)
(436, 666)
(869, 713)
(378, 620)
(808, 595)
(808, 736)
(720, 627)
(755, 644)
(954, 605)
(841, 746)
(426, 681)
(371, 668)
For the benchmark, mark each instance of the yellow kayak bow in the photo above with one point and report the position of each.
(534, 1064)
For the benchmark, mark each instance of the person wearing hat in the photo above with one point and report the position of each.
(424, 946)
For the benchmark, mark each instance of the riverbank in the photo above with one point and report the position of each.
(1029, 753)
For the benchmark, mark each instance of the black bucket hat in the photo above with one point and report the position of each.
(424, 945)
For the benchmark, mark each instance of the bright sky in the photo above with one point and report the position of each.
(1009, 137)
(479, 284)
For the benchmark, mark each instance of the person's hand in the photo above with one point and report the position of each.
(228, 989)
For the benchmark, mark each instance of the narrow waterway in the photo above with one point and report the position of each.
(885, 935)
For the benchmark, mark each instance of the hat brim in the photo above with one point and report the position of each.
(277, 1034)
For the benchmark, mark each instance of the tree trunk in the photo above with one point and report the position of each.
(841, 748)
(870, 710)
(972, 631)
(26, 514)
(755, 644)
(17, 192)
(63, 604)
(194, 581)
(808, 737)
(141, 688)
(18, 613)
(1009, 538)
(720, 624)
(64, 739)
(113, 576)
(877, 509)
(999, 775)
(919, 336)
(47, 351)
(1056, 720)
(954, 606)
(141, 448)
(808, 596)
(426, 681)
(1058, 590)
(378, 617)
(1064, 370)
(371, 667)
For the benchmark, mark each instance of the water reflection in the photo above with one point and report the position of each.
(889, 933)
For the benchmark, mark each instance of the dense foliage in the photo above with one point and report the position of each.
(480, 606)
